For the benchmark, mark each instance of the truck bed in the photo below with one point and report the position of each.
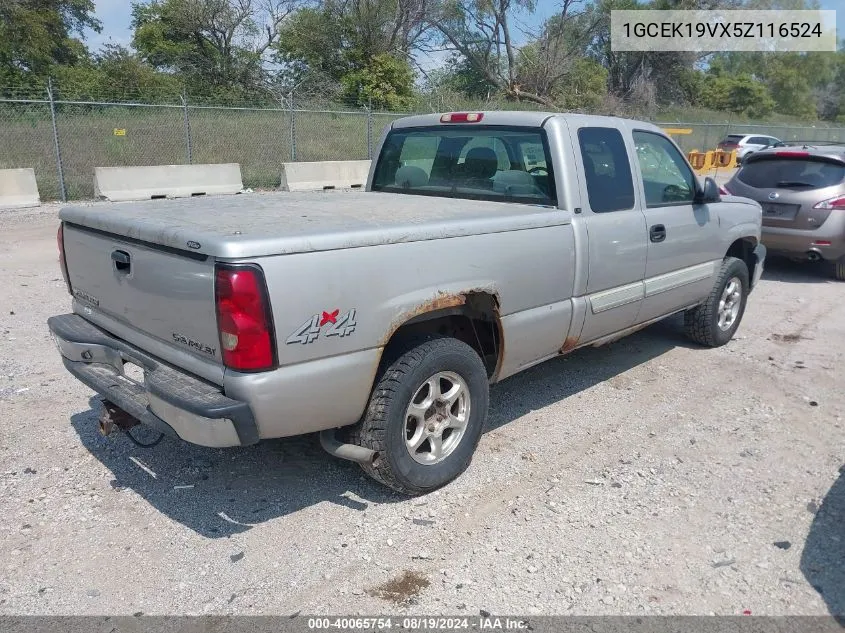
(255, 225)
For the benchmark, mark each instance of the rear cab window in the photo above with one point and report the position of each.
(607, 170)
(507, 164)
(791, 173)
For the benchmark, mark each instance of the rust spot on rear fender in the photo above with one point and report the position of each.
(442, 301)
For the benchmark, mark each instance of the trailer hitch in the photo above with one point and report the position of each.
(112, 416)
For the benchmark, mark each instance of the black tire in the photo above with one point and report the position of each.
(702, 322)
(839, 269)
(383, 427)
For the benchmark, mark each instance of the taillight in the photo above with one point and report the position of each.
(833, 203)
(462, 117)
(60, 241)
(244, 319)
(724, 191)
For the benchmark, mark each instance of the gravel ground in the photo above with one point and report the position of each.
(647, 477)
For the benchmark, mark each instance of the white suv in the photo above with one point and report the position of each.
(746, 144)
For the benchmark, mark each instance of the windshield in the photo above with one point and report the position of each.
(791, 173)
(484, 163)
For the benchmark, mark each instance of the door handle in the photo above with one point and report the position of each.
(657, 233)
(121, 260)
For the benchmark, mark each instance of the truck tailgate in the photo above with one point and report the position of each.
(161, 292)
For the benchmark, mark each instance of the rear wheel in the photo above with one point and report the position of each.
(715, 321)
(425, 416)
(839, 269)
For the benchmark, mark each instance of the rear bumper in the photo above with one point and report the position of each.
(170, 400)
(795, 243)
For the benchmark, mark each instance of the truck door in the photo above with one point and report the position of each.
(683, 240)
(616, 231)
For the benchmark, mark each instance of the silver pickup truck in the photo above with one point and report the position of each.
(484, 243)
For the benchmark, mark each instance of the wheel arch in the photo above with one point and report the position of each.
(472, 316)
(743, 248)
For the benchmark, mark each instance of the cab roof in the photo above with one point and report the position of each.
(519, 118)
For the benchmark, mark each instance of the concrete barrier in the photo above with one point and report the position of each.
(329, 174)
(18, 188)
(166, 181)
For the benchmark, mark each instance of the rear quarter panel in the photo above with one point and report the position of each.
(325, 381)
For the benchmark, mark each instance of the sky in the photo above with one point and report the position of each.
(115, 16)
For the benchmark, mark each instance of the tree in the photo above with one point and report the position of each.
(385, 82)
(116, 74)
(790, 88)
(585, 89)
(741, 94)
(645, 80)
(482, 32)
(212, 43)
(37, 35)
(364, 45)
(461, 76)
(830, 96)
(554, 64)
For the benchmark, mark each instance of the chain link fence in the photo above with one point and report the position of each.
(65, 140)
(705, 136)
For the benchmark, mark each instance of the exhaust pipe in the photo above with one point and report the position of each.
(814, 256)
(352, 452)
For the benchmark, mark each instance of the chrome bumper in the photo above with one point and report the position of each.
(168, 399)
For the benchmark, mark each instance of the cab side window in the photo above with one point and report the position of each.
(667, 179)
(607, 171)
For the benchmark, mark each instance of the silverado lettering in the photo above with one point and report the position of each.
(84, 296)
(200, 347)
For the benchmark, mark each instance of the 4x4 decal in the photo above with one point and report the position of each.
(338, 325)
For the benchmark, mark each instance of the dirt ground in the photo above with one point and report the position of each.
(647, 477)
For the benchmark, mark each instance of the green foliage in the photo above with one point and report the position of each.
(741, 94)
(317, 37)
(208, 42)
(384, 82)
(791, 90)
(237, 52)
(795, 80)
(357, 45)
(117, 75)
(460, 76)
(36, 36)
(586, 87)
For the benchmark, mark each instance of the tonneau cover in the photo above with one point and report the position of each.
(256, 225)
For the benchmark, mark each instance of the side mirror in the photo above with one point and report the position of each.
(709, 192)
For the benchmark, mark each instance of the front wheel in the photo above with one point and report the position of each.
(425, 416)
(715, 321)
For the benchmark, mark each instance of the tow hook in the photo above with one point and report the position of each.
(352, 452)
(111, 415)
